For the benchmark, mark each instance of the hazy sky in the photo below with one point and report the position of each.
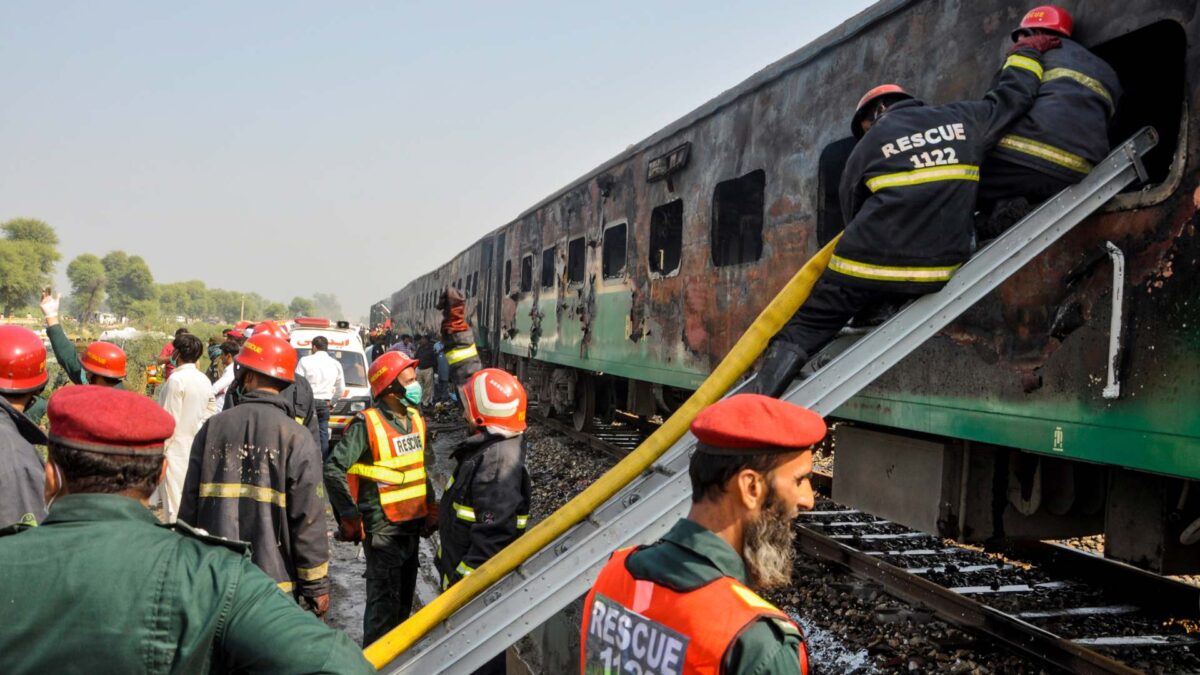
(344, 147)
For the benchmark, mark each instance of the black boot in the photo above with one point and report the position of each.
(780, 365)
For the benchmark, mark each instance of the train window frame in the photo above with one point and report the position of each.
(1156, 192)
(662, 217)
(548, 271)
(576, 261)
(605, 273)
(526, 273)
(722, 230)
(508, 276)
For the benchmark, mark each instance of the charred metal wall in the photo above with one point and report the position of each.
(1026, 365)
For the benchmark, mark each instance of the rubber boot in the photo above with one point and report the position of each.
(780, 365)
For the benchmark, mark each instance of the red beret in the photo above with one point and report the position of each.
(108, 421)
(751, 423)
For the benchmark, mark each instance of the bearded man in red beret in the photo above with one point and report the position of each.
(683, 604)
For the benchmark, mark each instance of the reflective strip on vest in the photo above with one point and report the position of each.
(522, 521)
(403, 494)
(243, 491)
(313, 573)
(464, 569)
(464, 512)
(384, 475)
(863, 270)
(1018, 61)
(921, 176)
(286, 586)
(1046, 152)
(1087, 81)
(461, 354)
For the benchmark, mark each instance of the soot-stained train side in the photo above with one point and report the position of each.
(626, 287)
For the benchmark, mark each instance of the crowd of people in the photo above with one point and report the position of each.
(236, 576)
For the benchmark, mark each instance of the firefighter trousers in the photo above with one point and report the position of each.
(1000, 180)
(828, 308)
(391, 580)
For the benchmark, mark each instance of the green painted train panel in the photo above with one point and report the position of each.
(608, 351)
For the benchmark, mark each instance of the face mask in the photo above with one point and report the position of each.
(412, 393)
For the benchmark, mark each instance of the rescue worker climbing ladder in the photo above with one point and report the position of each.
(908, 193)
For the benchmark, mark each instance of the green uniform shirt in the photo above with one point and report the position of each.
(353, 448)
(101, 587)
(690, 556)
(36, 410)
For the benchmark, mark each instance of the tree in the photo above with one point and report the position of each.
(275, 310)
(129, 280)
(88, 280)
(173, 299)
(143, 310)
(29, 251)
(20, 278)
(39, 233)
(302, 307)
(327, 305)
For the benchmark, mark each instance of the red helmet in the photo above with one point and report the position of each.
(861, 109)
(22, 361)
(267, 354)
(272, 328)
(1046, 17)
(495, 399)
(385, 369)
(105, 359)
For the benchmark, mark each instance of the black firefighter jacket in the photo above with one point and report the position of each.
(22, 476)
(1066, 132)
(486, 505)
(255, 476)
(300, 396)
(909, 186)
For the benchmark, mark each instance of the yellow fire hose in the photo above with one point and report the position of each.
(743, 354)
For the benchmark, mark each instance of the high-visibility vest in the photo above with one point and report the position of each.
(632, 625)
(398, 466)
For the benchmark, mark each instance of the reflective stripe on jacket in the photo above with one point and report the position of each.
(909, 186)
(397, 468)
(1066, 131)
(633, 622)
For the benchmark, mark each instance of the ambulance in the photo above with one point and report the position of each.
(346, 346)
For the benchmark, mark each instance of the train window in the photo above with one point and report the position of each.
(830, 220)
(527, 274)
(507, 276)
(475, 283)
(614, 251)
(666, 237)
(738, 219)
(548, 266)
(575, 260)
(1150, 62)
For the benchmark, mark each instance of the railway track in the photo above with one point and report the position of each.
(1060, 607)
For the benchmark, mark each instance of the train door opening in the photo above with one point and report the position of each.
(666, 238)
(1150, 62)
(575, 260)
(613, 251)
(548, 257)
(830, 219)
(527, 273)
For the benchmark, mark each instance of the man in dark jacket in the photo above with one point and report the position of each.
(1065, 134)
(22, 377)
(376, 477)
(255, 475)
(298, 394)
(908, 193)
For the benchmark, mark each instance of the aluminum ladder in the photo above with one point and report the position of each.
(646, 508)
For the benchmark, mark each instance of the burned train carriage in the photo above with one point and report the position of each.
(625, 288)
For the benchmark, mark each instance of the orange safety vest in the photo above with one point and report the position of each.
(398, 466)
(636, 626)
